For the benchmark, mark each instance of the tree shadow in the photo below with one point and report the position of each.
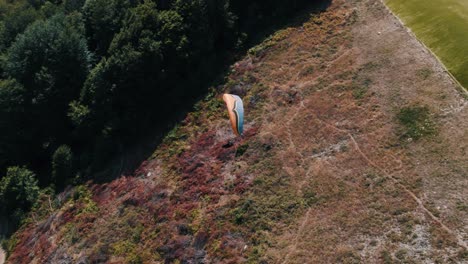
(301, 17)
(129, 156)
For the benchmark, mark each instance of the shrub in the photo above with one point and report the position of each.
(103, 19)
(12, 101)
(62, 165)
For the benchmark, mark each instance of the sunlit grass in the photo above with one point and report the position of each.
(443, 26)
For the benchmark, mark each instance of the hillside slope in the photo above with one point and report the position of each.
(355, 150)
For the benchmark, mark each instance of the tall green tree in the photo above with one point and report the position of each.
(50, 61)
(18, 189)
(73, 5)
(62, 165)
(103, 19)
(13, 133)
(36, 3)
(14, 22)
(140, 75)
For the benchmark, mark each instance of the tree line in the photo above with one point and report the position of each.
(79, 75)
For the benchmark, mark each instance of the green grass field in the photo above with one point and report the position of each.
(443, 26)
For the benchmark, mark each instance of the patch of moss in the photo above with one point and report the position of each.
(416, 121)
(424, 73)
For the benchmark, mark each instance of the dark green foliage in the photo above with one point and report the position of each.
(14, 22)
(49, 9)
(73, 5)
(62, 165)
(417, 122)
(103, 19)
(18, 191)
(138, 74)
(36, 3)
(78, 113)
(49, 62)
(96, 74)
(212, 19)
(241, 150)
(260, 14)
(158, 60)
(9, 244)
(12, 104)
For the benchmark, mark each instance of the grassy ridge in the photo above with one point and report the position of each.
(443, 26)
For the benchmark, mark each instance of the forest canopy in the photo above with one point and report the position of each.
(79, 75)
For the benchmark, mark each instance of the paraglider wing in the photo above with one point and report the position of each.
(236, 112)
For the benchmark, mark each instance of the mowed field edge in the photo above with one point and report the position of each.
(442, 25)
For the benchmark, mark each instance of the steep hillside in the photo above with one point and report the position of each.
(355, 150)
